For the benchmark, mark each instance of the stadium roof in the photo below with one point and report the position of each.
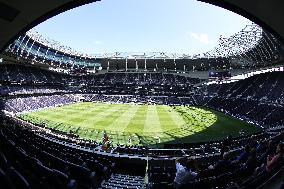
(239, 43)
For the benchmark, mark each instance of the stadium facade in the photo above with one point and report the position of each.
(248, 48)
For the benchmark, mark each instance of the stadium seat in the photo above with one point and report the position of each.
(18, 180)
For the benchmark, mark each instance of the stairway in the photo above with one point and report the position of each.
(123, 181)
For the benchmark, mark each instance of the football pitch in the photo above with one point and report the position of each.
(134, 124)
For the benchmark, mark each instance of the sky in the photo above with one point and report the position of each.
(171, 26)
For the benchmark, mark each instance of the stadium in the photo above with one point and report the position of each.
(128, 120)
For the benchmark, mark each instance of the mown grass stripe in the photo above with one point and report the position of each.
(97, 120)
(170, 118)
(148, 121)
(152, 122)
(123, 119)
(136, 124)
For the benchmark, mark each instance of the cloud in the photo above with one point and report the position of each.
(201, 37)
(98, 42)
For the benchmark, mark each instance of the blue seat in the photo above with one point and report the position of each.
(82, 175)
(5, 181)
(18, 179)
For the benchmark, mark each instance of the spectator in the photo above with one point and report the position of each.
(272, 162)
(187, 170)
(261, 147)
(222, 165)
(277, 159)
(244, 155)
(249, 166)
(270, 150)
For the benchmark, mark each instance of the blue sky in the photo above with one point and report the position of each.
(172, 26)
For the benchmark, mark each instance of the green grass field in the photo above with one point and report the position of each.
(140, 124)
